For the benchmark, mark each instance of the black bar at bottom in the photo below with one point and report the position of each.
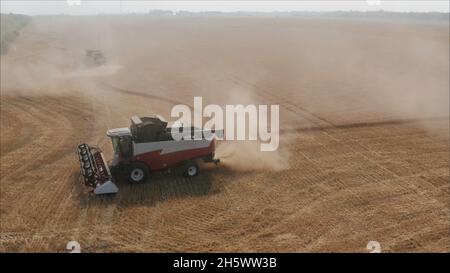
(227, 262)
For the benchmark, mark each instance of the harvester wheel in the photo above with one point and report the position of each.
(137, 173)
(191, 169)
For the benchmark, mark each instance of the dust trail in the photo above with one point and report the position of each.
(246, 156)
(102, 71)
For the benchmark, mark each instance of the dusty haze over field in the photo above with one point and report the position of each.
(383, 69)
(363, 155)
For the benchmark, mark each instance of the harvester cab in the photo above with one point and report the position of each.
(147, 145)
(122, 144)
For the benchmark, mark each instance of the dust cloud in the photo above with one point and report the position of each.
(320, 72)
(246, 156)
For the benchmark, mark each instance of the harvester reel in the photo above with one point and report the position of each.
(95, 170)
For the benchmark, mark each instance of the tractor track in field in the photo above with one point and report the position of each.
(19, 132)
(51, 148)
(295, 109)
(59, 124)
(328, 125)
(320, 123)
(144, 95)
(302, 129)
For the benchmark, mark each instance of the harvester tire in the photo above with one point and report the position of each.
(137, 173)
(190, 169)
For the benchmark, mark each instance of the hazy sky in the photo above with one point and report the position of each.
(76, 7)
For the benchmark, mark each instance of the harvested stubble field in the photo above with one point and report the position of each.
(363, 119)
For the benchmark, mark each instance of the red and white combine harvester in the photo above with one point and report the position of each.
(144, 147)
